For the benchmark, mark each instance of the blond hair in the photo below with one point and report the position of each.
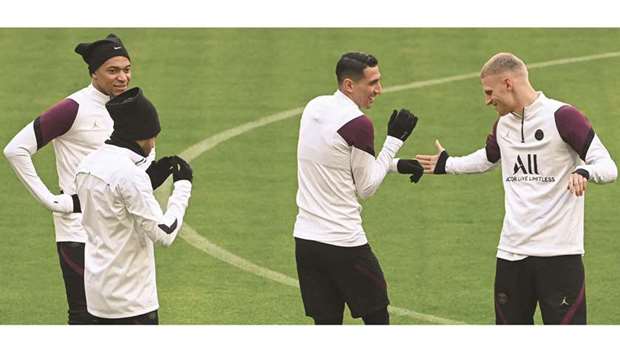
(501, 63)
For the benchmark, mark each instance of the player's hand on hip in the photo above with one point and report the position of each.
(401, 124)
(182, 170)
(430, 162)
(64, 203)
(577, 184)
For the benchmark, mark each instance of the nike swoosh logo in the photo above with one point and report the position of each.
(118, 47)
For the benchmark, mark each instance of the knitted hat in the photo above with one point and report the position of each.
(134, 116)
(96, 53)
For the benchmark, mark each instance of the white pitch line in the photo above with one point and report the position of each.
(199, 148)
(209, 143)
(403, 312)
(200, 242)
(574, 60)
(473, 75)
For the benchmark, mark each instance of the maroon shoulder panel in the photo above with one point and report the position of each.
(360, 134)
(492, 148)
(575, 129)
(55, 122)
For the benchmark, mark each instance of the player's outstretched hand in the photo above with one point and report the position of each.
(159, 171)
(577, 184)
(410, 166)
(182, 170)
(434, 164)
(401, 124)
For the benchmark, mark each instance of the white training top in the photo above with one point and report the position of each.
(336, 162)
(538, 154)
(76, 126)
(123, 220)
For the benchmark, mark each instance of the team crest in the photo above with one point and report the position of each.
(539, 135)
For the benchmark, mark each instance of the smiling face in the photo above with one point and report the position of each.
(113, 76)
(364, 91)
(499, 91)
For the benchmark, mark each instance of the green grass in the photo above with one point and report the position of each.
(435, 240)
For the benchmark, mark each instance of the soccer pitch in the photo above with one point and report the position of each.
(230, 99)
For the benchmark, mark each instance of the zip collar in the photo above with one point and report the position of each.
(350, 102)
(538, 101)
(98, 95)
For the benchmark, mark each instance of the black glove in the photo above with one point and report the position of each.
(410, 166)
(401, 124)
(182, 170)
(159, 171)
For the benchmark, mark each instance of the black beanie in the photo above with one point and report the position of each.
(134, 116)
(96, 53)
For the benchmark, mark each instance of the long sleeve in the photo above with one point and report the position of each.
(577, 132)
(479, 161)
(599, 165)
(474, 163)
(368, 171)
(19, 153)
(53, 123)
(158, 226)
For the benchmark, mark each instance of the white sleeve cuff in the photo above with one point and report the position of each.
(394, 165)
(393, 144)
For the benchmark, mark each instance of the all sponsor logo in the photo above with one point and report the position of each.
(532, 165)
(526, 170)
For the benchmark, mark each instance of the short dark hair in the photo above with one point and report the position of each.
(351, 65)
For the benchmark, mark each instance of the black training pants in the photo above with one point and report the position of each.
(71, 255)
(556, 284)
(330, 276)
